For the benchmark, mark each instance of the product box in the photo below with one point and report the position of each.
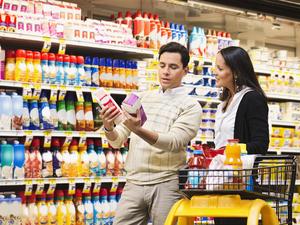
(131, 104)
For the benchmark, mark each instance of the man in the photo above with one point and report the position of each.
(157, 149)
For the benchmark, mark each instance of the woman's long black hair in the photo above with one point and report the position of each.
(238, 60)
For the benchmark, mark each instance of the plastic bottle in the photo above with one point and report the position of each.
(53, 115)
(113, 206)
(169, 32)
(74, 168)
(72, 74)
(195, 178)
(194, 42)
(102, 72)
(108, 75)
(20, 70)
(116, 74)
(71, 211)
(37, 68)
(138, 28)
(80, 120)
(128, 71)
(182, 39)
(119, 164)
(47, 163)
(88, 115)
(17, 111)
(52, 211)
(52, 68)
(81, 78)
(105, 205)
(45, 68)
(61, 208)
(134, 75)
(29, 67)
(19, 160)
(97, 209)
(36, 158)
(33, 210)
(34, 115)
(62, 115)
(203, 42)
(60, 72)
(124, 155)
(152, 33)
(146, 30)
(28, 164)
(88, 209)
(44, 113)
(57, 157)
(42, 209)
(5, 111)
(84, 167)
(66, 161)
(101, 158)
(79, 207)
(128, 20)
(10, 65)
(158, 28)
(25, 116)
(88, 70)
(7, 159)
(122, 74)
(25, 210)
(110, 159)
(163, 34)
(93, 158)
(119, 193)
(70, 111)
(66, 68)
(97, 119)
(95, 72)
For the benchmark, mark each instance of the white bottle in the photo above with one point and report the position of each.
(25, 210)
(33, 210)
(17, 111)
(105, 206)
(112, 206)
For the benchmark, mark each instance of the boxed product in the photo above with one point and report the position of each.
(131, 104)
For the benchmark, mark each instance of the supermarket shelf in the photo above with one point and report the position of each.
(285, 123)
(15, 84)
(285, 150)
(78, 46)
(283, 96)
(206, 99)
(263, 72)
(68, 180)
(54, 133)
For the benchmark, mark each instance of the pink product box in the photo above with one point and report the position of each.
(131, 104)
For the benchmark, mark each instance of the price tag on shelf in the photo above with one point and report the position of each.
(97, 185)
(53, 94)
(52, 186)
(104, 142)
(28, 187)
(47, 140)
(47, 44)
(67, 140)
(27, 92)
(28, 140)
(62, 46)
(114, 185)
(72, 187)
(36, 92)
(82, 141)
(94, 98)
(40, 187)
(86, 185)
(62, 94)
(79, 95)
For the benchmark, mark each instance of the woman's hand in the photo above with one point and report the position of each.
(132, 122)
(108, 115)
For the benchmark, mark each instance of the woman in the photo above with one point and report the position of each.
(243, 112)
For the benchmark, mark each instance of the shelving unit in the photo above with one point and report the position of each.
(285, 150)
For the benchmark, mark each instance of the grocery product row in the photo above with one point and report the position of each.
(60, 157)
(61, 207)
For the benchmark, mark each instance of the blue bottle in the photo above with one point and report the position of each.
(60, 75)
(44, 113)
(88, 70)
(34, 115)
(95, 72)
(19, 160)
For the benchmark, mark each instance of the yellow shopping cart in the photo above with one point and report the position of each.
(263, 194)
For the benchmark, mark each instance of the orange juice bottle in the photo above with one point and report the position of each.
(128, 72)
(10, 65)
(74, 159)
(20, 71)
(29, 66)
(109, 74)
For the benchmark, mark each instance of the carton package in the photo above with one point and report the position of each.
(131, 104)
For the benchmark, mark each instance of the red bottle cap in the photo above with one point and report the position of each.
(29, 54)
(73, 59)
(44, 56)
(119, 190)
(23, 197)
(80, 59)
(88, 194)
(78, 193)
(51, 57)
(36, 55)
(21, 53)
(128, 14)
(59, 193)
(10, 54)
(42, 195)
(59, 58)
(103, 192)
(36, 142)
(89, 141)
(55, 142)
(66, 58)
(120, 15)
(98, 142)
(74, 142)
(32, 198)
(145, 15)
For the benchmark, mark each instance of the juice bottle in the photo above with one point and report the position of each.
(34, 115)
(81, 78)
(10, 65)
(61, 216)
(158, 30)
(5, 111)
(88, 70)
(57, 157)
(134, 75)
(52, 68)
(70, 111)
(17, 111)
(19, 160)
(52, 211)
(93, 158)
(37, 68)
(71, 79)
(109, 74)
(116, 74)
(79, 207)
(42, 209)
(152, 33)
(119, 165)
(62, 115)
(195, 175)
(25, 115)
(53, 114)
(66, 68)
(110, 159)
(88, 115)
(71, 211)
(128, 72)
(105, 205)
(36, 158)
(98, 214)
(146, 30)
(47, 163)
(28, 165)
(102, 72)
(74, 169)
(20, 71)
(25, 210)
(138, 28)
(33, 210)
(84, 162)
(45, 68)
(29, 67)
(112, 205)
(95, 72)
(80, 120)
(60, 72)
(65, 164)
(7, 160)
(119, 193)
(101, 157)
(122, 73)
(88, 209)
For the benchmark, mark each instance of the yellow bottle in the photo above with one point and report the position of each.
(29, 67)
(74, 159)
(61, 216)
(42, 209)
(20, 71)
(37, 72)
(79, 207)
(84, 162)
(71, 211)
(65, 164)
(10, 65)
(52, 212)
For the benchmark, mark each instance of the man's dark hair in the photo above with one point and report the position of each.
(175, 47)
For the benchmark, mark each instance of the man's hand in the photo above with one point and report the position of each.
(133, 123)
(108, 115)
